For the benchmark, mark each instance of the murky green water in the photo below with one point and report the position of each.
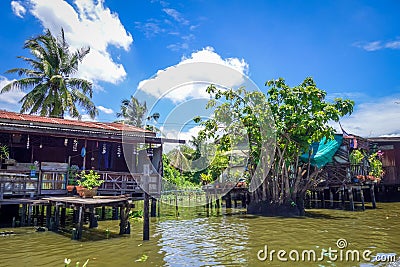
(219, 240)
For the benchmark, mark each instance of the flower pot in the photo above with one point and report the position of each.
(86, 193)
(70, 188)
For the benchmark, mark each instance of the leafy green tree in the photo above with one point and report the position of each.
(53, 89)
(298, 115)
(132, 112)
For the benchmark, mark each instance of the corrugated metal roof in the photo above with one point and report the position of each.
(106, 126)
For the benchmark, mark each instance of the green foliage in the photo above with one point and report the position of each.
(53, 89)
(356, 157)
(297, 116)
(175, 177)
(301, 114)
(376, 168)
(90, 179)
(72, 174)
(132, 112)
(4, 152)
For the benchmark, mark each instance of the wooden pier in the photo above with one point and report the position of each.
(53, 209)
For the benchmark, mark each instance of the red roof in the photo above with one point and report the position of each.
(107, 126)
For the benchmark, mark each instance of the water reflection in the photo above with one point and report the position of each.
(204, 241)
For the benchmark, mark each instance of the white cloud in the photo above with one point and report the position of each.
(381, 117)
(378, 45)
(18, 9)
(176, 15)
(186, 79)
(87, 24)
(11, 98)
(105, 110)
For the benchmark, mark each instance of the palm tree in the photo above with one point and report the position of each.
(53, 89)
(132, 112)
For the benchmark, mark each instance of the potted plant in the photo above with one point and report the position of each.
(88, 183)
(72, 174)
(4, 154)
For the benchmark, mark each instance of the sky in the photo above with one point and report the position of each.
(350, 48)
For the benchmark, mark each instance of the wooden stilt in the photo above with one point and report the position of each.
(122, 224)
(92, 218)
(153, 209)
(103, 213)
(30, 209)
(331, 198)
(362, 198)
(228, 201)
(23, 215)
(350, 193)
(146, 221)
(56, 218)
(48, 216)
(372, 193)
(316, 199)
(323, 198)
(176, 203)
(63, 216)
(244, 200)
(235, 202)
(41, 215)
(79, 225)
(115, 213)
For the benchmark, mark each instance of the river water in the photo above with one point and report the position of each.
(225, 238)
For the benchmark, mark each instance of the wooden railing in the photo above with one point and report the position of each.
(119, 183)
(17, 183)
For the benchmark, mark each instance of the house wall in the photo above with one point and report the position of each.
(390, 162)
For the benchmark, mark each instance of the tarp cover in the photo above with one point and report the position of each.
(322, 152)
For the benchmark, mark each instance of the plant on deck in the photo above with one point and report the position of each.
(89, 180)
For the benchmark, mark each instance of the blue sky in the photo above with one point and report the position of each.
(350, 48)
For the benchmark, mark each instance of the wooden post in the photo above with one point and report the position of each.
(362, 198)
(350, 193)
(244, 200)
(235, 201)
(41, 215)
(115, 213)
(146, 221)
(80, 223)
(372, 192)
(228, 201)
(331, 198)
(29, 214)
(48, 216)
(122, 223)
(23, 215)
(103, 213)
(316, 205)
(63, 215)
(207, 201)
(217, 203)
(176, 203)
(153, 210)
(323, 198)
(92, 218)
(56, 218)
